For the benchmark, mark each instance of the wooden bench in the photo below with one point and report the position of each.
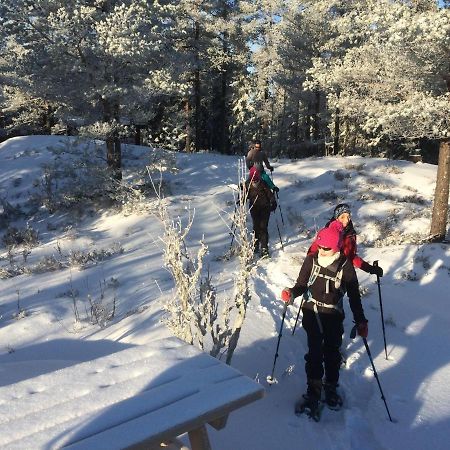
(142, 397)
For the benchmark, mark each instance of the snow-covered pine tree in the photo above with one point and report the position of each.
(96, 60)
(393, 85)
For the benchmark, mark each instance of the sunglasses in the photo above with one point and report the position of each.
(325, 249)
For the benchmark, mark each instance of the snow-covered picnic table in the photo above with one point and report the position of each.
(136, 398)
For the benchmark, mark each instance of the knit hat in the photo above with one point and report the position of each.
(331, 236)
(341, 209)
(254, 174)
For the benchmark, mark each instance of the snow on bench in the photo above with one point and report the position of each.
(136, 398)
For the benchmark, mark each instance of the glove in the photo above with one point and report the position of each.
(276, 189)
(376, 270)
(271, 169)
(363, 329)
(286, 296)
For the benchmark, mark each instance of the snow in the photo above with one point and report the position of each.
(125, 390)
(391, 203)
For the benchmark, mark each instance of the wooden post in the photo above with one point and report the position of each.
(199, 439)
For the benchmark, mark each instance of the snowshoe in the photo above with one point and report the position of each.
(310, 406)
(332, 398)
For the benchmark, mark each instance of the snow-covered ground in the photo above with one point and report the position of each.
(391, 203)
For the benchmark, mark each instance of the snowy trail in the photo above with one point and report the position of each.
(337, 430)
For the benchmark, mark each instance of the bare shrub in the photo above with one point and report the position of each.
(46, 264)
(21, 312)
(417, 199)
(83, 259)
(11, 271)
(398, 238)
(341, 175)
(392, 169)
(81, 177)
(326, 196)
(356, 167)
(194, 313)
(103, 308)
(28, 237)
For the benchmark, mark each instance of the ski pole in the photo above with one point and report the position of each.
(279, 207)
(375, 263)
(298, 315)
(278, 200)
(279, 234)
(270, 379)
(352, 335)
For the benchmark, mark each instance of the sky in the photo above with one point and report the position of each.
(391, 208)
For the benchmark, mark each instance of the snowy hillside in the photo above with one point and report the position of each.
(55, 264)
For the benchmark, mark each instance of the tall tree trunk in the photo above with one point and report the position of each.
(197, 92)
(336, 148)
(308, 122)
(49, 120)
(441, 195)
(223, 141)
(295, 127)
(281, 134)
(137, 134)
(316, 116)
(113, 147)
(187, 115)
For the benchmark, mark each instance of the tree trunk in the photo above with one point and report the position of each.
(308, 123)
(295, 128)
(114, 156)
(224, 142)
(281, 134)
(197, 99)
(336, 148)
(49, 120)
(137, 134)
(441, 195)
(225, 76)
(187, 116)
(316, 117)
(113, 147)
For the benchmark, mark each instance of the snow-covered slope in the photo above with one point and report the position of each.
(391, 203)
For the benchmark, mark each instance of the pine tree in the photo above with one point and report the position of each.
(94, 60)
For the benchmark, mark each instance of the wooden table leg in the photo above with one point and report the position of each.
(199, 439)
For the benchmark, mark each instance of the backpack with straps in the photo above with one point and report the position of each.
(336, 279)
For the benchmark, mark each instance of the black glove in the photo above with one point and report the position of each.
(376, 270)
(276, 189)
(271, 169)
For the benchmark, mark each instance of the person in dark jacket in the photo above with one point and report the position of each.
(255, 160)
(257, 157)
(342, 213)
(261, 203)
(325, 276)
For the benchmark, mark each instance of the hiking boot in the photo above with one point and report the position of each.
(264, 252)
(309, 405)
(314, 388)
(310, 402)
(332, 398)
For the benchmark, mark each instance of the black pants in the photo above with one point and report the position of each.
(323, 349)
(260, 218)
